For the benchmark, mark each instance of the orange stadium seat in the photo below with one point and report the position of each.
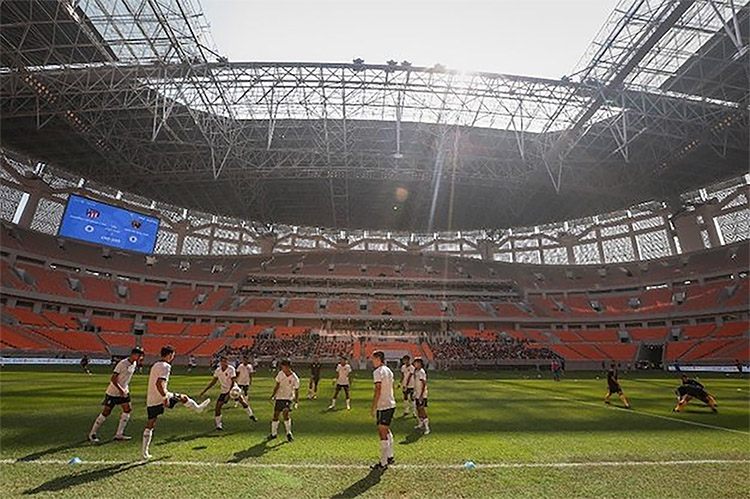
(264, 305)
(301, 306)
(676, 349)
(27, 316)
(342, 307)
(469, 309)
(732, 329)
(604, 335)
(118, 340)
(618, 351)
(183, 346)
(199, 329)
(12, 337)
(648, 333)
(168, 328)
(699, 331)
(97, 289)
(64, 321)
(113, 325)
(209, 347)
(48, 281)
(74, 340)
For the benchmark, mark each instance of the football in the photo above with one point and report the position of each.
(235, 392)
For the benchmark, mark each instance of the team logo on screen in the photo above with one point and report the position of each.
(92, 213)
(136, 224)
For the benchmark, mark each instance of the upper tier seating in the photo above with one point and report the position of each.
(469, 309)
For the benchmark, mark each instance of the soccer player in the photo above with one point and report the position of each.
(284, 393)
(420, 395)
(85, 364)
(383, 407)
(613, 386)
(227, 378)
(407, 385)
(157, 396)
(312, 389)
(343, 370)
(192, 364)
(245, 375)
(690, 389)
(118, 393)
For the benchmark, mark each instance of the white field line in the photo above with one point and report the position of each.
(633, 411)
(205, 464)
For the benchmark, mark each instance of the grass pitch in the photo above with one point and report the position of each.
(529, 438)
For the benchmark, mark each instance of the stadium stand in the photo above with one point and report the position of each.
(491, 325)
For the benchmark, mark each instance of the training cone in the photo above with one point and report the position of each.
(469, 465)
(75, 460)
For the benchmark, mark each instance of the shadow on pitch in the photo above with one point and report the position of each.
(257, 450)
(361, 486)
(65, 482)
(54, 450)
(412, 437)
(194, 436)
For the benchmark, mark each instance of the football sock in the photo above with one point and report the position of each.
(348, 404)
(248, 411)
(274, 428)
(384, 452)
(390, 444)
(97, 423)
(218, 421)
(191, 404)
(333, 402)
(288, 425)
(426, 424)
(624, 400)
(123, 422)
(147, 434)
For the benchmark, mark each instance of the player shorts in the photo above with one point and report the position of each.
(614, 389)
(280, 405)
(384, 417)
(244, 388)
(223, 398)
(409, 392)
(111, 401)
(342, 387)
(421, 402)
(157, 410)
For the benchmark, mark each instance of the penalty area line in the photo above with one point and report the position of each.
(303, 466)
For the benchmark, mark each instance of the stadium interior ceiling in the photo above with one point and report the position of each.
(136, 96)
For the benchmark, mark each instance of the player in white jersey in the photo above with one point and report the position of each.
(227, 378)
(157, 396)
(118, 393)
(407, 385)
(420, 395)
(383, 407)
(343, 370)
(285, 393)
(245, 373)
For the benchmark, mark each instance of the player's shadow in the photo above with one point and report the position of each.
(65, 482)
(257, 450)
(361, 486)
(52, 450)
(194, 436)
(412, 437)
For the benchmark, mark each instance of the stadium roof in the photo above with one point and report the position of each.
(133, 94)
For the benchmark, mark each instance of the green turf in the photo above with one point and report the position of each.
(487, 418)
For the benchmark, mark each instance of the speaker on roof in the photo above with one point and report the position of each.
(139, 328)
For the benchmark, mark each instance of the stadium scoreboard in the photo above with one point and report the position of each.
(95, 222)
